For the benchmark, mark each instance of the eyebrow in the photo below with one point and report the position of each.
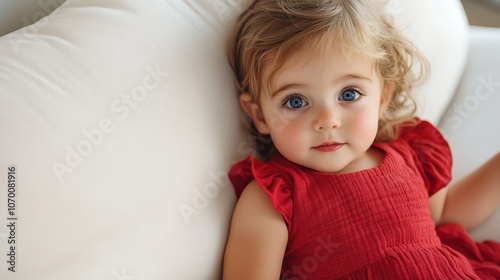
(285, 87)
(344, 78)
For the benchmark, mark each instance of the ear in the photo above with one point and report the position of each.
(385, 99)
(254, 111)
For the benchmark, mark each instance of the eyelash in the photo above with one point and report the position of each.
(287, 98)
(361, 94)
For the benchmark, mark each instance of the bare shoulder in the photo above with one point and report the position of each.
(257, 238)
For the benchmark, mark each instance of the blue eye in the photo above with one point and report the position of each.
(349, 95)
(295, 102)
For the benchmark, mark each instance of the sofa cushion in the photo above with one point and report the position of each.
(472, 120)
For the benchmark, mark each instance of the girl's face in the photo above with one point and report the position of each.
(323, 112)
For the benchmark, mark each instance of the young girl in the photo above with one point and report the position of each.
(352, 185)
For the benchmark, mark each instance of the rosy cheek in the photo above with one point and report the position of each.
(288, 136)
(293, 132)
(365, 123)
(276, 122)
(279, 121)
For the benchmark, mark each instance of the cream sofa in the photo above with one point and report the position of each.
(119, 121)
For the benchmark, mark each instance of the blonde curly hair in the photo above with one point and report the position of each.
(268, 32)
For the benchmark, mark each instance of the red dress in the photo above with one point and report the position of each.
(371, 224)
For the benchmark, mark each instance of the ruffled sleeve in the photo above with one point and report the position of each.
(270, 178)
(431, 153)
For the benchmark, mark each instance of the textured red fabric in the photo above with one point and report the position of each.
(483, 256)
(371, 224)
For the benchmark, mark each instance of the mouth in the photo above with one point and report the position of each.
(328, 147)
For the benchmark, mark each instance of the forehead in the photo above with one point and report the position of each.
(299, 65)
(345, 58)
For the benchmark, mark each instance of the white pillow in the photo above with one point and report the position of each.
(119, 116)
(440, 30)
(121, 120)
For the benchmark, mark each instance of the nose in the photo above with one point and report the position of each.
(326, 119)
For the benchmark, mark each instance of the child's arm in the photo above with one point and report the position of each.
(471, 200)
(257, 238)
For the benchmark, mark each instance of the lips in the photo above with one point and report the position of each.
(328, 147)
